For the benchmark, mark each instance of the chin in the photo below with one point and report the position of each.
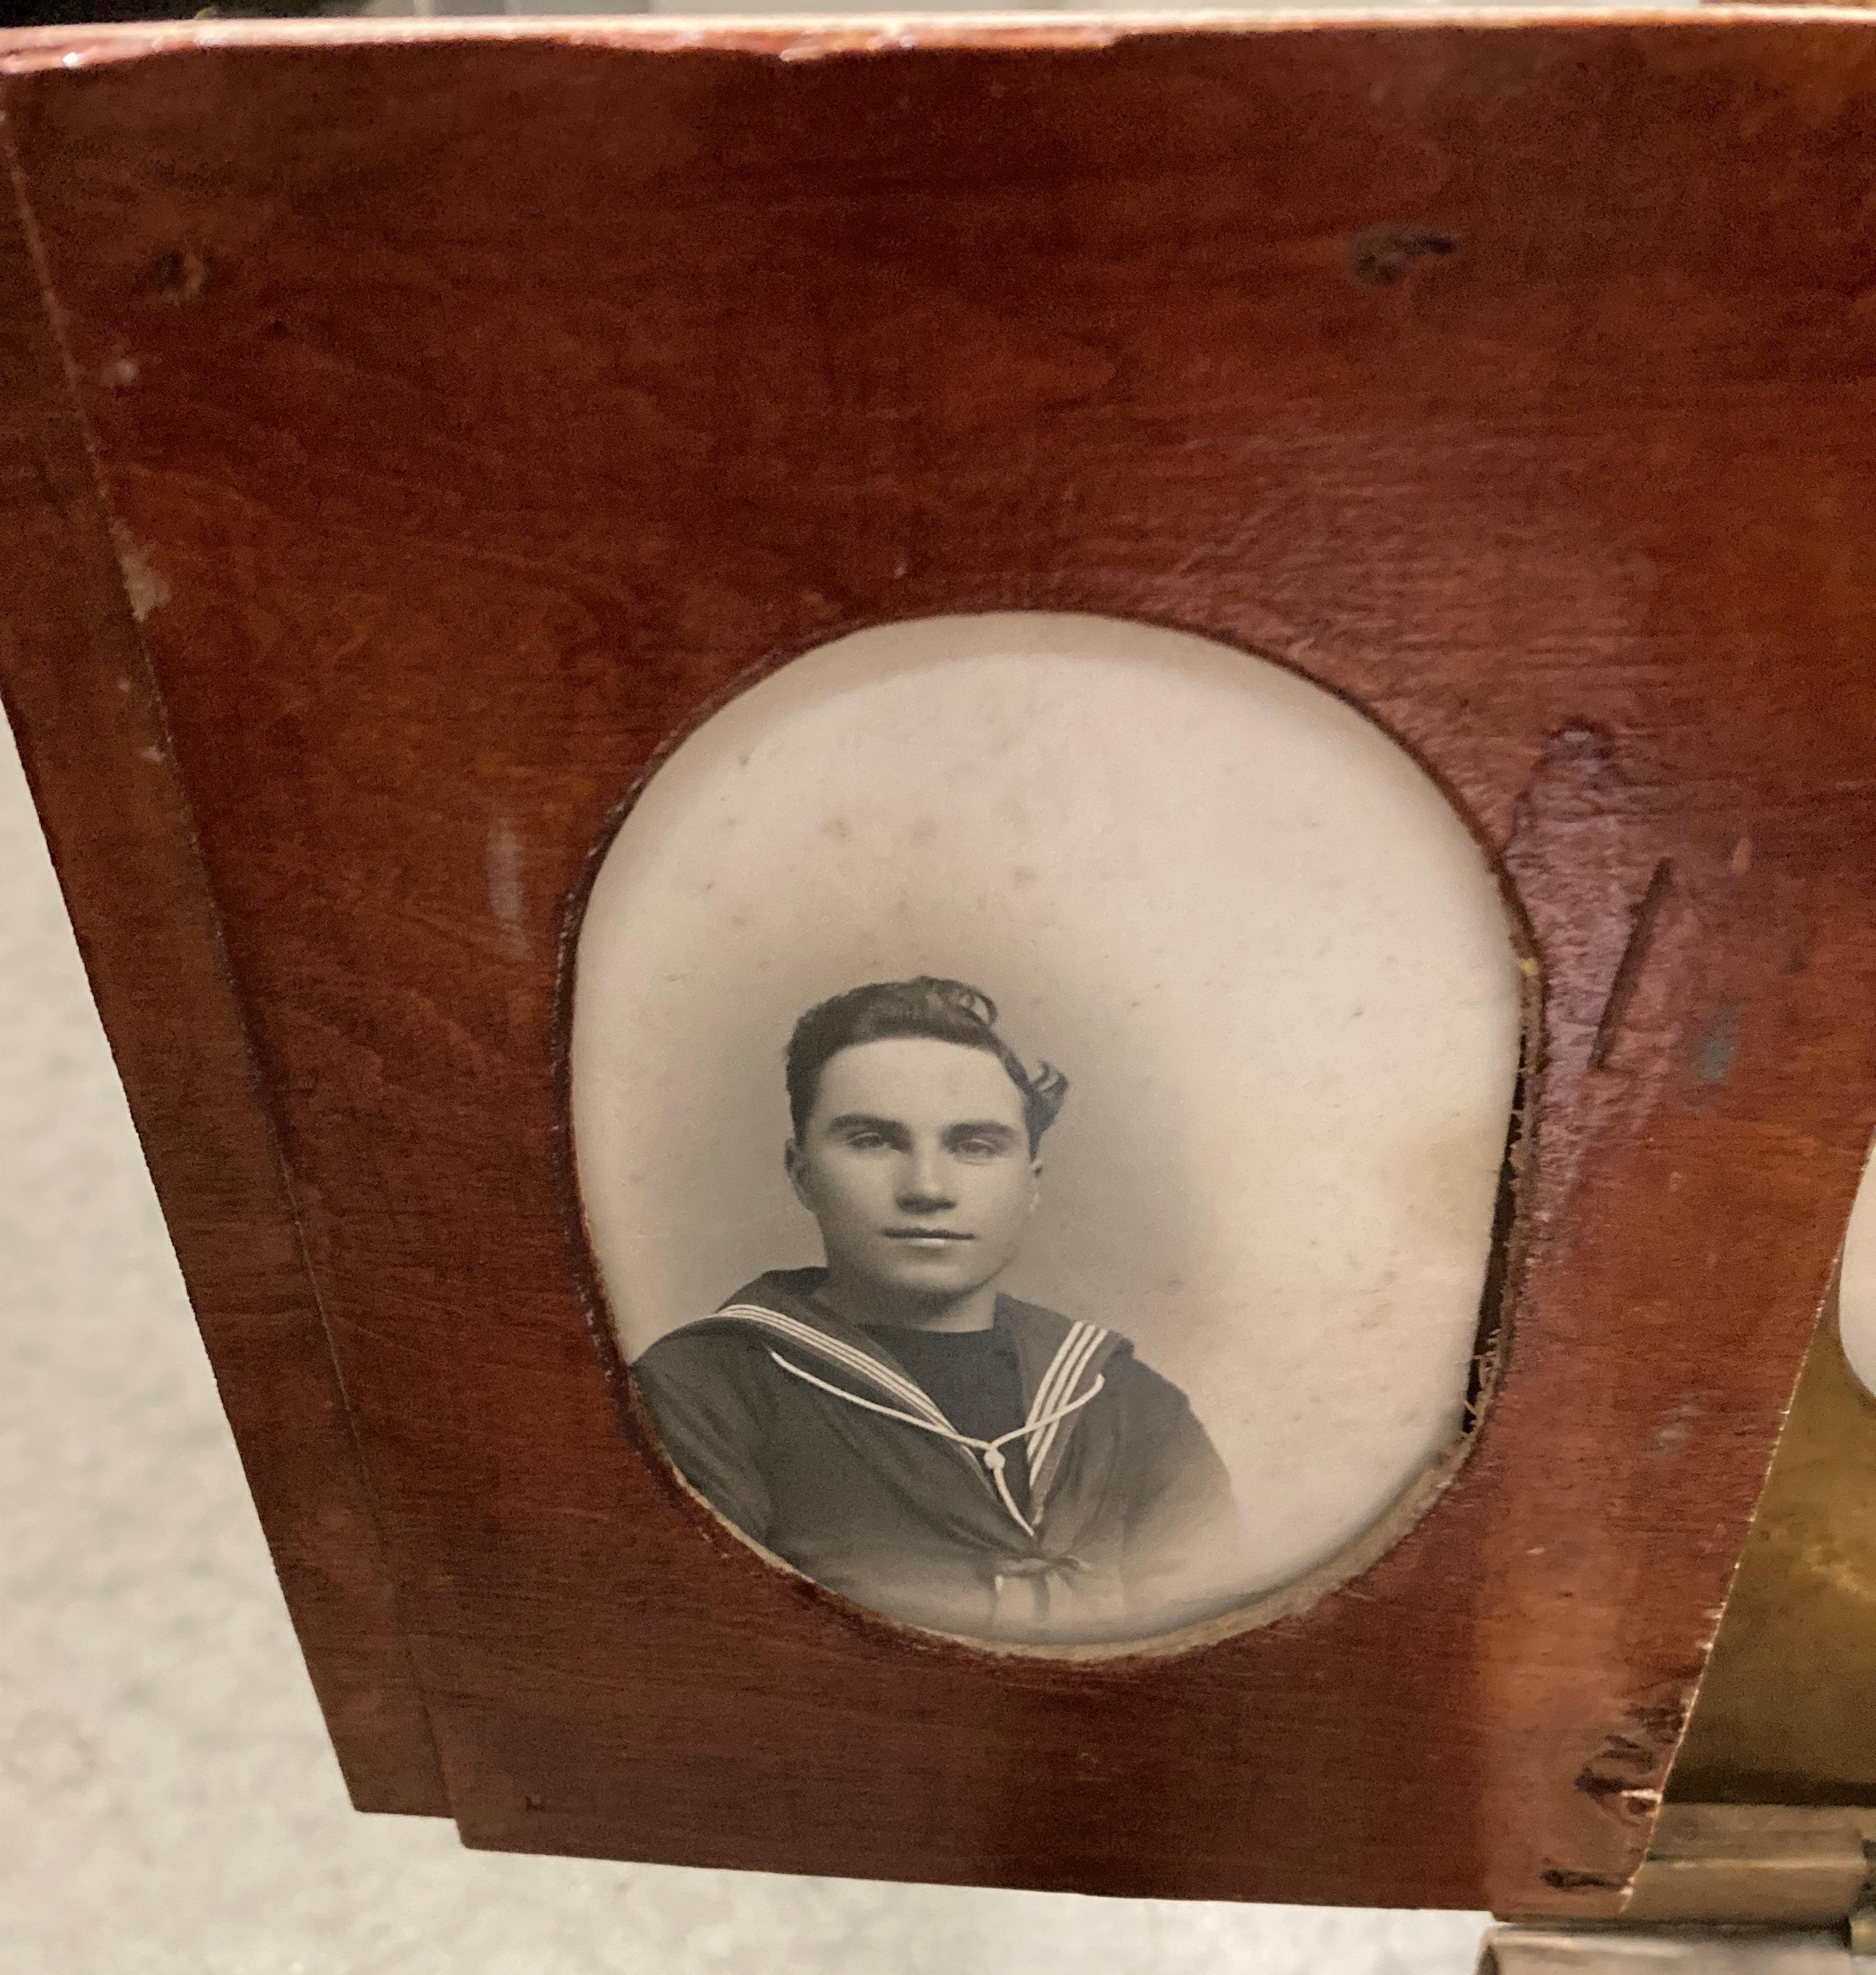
(939, 1279)
(928, 1283)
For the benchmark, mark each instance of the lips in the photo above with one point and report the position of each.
(925, 1234)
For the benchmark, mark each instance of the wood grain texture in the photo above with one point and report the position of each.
(487, 409)
(91, 733)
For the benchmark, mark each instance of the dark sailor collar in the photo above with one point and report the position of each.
(1061, 1359)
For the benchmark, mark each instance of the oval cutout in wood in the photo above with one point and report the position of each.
(1280, 976)
(1856, 1296)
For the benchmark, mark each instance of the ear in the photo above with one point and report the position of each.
(795, 1166)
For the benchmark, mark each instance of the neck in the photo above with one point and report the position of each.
(864, 1303)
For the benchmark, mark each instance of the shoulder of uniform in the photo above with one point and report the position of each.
(1050, 1329)
(1143, 1386)
(712, 1340)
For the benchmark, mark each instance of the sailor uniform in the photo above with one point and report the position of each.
(1100, 1512)
(974, 1377)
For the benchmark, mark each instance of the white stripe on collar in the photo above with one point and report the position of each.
(849, 1356)
(1056, 1402)
(1078, 1362)
(1045, 1391)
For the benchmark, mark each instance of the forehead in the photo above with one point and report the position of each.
(918, 1079)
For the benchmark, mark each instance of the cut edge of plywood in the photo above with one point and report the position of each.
(87, 712)
(815, 37)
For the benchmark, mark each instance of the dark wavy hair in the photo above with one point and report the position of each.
(948, 1011)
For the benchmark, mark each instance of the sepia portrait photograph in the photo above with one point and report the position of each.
(1041, 1094)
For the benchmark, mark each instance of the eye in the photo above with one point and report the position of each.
(981, 1148)
(865, 1141)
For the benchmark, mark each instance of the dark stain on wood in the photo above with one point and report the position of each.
(1562, 1879)
(1382, 255)
(1720, 1045)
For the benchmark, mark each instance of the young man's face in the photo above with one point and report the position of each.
(916, 1163)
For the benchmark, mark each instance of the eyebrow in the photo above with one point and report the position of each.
(865, 1121)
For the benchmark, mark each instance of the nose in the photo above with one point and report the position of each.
(922, 1182)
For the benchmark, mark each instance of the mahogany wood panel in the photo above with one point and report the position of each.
(91, 732)
(483, 410)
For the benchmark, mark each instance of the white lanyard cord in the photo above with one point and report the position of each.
(990, 1449)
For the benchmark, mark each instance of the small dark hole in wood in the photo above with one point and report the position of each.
(180, 276)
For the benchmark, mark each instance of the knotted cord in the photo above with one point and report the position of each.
(990, 1450)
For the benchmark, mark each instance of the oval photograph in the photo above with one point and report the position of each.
(1040, 1091)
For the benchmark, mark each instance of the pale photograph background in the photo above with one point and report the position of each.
(1856, 1302)
(168, 1803)
(1272, 962)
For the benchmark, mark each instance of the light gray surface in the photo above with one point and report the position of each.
(168, 1804)
(1666, 1950)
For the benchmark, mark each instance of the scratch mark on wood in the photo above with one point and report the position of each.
(506, 898)
(1599, 1784)
(143, 584)
(1628, 968)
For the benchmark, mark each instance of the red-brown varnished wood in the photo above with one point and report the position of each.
(487, 407)
(91, 729)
